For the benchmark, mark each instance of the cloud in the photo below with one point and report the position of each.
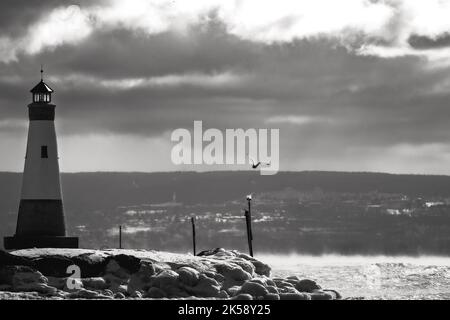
(346, 82)
(295, 120)
(385, 28)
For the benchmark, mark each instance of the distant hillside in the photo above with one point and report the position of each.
(334, 225)
(108, 189)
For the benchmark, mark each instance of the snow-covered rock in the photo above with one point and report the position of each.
(148, 274)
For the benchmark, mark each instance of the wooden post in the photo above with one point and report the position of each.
(248, 220)
(193, 234)
(120, 237)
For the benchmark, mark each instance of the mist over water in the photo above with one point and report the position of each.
(370, 277)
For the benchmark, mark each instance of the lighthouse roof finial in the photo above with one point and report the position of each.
(41, 87)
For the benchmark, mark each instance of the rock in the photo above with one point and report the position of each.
(272, 289)
(38, 287)
(165, 279)
(214, 275)
(245, 265)
(155, 293)
(140, 281)
(234, 290)
(96, 283)
(122, 289)
(260, 267)
(119, 295)
(206, 287)
(232, 271)
(58, 283)
(136, 295)
(307, 285)
(294, 296)
(108, 293)
(271, 296)
(254, 289)
(54, 265)
(292, 281)
(210, 252)
(114, 268)
(242, 296)
(283, 284)
(9, 272)
(131, 264)
(321, 295)
(8, 259)
(336, 295)
(288, 289)
(188, 276)
(75, 285)
(91, 265)
(223, 295)
(87, 294)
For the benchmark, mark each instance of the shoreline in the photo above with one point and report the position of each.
(147, 274)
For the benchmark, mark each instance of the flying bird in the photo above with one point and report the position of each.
(257, 164)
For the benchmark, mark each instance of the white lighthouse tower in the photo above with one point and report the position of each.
(41, 220)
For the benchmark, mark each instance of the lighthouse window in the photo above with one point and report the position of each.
(44, 152)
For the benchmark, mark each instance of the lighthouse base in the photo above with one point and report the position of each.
(26, 242)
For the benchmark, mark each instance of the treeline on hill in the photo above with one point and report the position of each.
(100, 190)
(92, 200)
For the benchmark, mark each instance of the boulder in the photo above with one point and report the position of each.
(271, 296)
(242, 296)
(272, 289)
(136, 295)
(336, 295)
(119, 295)
(34, 286)
(307, 285)
(206, 253)
(140, 281)
(58, 283)
(223, 295)
(95, 283)
(234, 290)
(294, 296)
(188, 276)
(214, 275)
(91, 265)
(206, 287)
(254, 289)
(8, 259)
(114, 268)
(283, 284)
(321, 295)
(130, 263)
(155, 293)
(165, 279)
(8, 272)
(75, 285)
(53, 265)
(233, 272)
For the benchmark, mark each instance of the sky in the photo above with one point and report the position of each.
(352, 85)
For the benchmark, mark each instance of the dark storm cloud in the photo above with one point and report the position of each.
(324, 97)
(423, 42)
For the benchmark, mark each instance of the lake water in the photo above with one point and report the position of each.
(369, 277)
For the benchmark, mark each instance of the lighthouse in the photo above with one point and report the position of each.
(41, 221)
